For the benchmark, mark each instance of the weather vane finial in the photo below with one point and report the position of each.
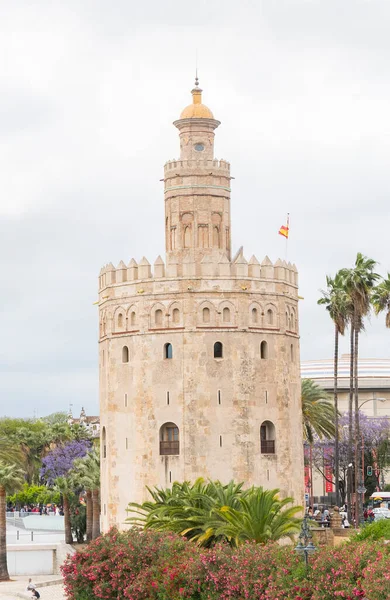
(196, 69)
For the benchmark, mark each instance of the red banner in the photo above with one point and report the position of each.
(329, 487)
(307, 479)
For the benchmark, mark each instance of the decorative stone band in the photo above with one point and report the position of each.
(197, 185)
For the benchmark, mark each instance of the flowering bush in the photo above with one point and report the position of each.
(148, 565)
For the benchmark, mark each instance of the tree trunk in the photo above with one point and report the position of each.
(68, 529)
(96, 514)
(89, 515)
(336, 414)
(4, 576)
(350, 422)
(359, 505)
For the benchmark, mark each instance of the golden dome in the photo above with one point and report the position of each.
(196, 110)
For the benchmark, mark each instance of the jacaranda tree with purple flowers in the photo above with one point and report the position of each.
(374, 441)
(59, 461)
(56, 467)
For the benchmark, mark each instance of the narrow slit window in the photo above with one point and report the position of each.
(264, 350)
(170, 476)
(127, 443)
(168, 351)
(266, 396)
(292, 352)
(125, 354)
(168, 398)
(220, 441)
(218, 350)
(219, 396)
(125, 400)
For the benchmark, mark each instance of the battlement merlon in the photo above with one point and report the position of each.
(194, 165)
(211, 267)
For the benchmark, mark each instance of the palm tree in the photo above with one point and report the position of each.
(337, 303)
(262, 517)
(358, 283)
(207, 513)
(86, 472)
(64, 486)
(317, 412)
(381, 298)
(11, 478)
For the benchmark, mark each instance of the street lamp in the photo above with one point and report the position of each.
(305, 545)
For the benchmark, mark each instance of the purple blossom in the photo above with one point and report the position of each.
(59, 461)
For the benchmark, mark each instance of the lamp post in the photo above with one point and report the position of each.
(305, 545)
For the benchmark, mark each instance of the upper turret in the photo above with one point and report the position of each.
(196, 126)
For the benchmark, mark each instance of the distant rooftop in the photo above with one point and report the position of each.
(373, 372)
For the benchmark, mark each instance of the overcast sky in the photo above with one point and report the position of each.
(88, 93)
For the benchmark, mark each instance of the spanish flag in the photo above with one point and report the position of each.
(284, 231)
(285, 228)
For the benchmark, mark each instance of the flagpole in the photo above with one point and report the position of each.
(288, 232)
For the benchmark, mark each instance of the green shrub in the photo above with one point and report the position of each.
(377, 530)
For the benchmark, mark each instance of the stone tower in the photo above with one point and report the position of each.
(199, 359)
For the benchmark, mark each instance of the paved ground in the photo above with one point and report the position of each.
(9, 589)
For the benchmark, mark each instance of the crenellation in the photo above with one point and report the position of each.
(216, 264)
(254, 268)
(132, 270)
(267, 268)
(121, 273)
(159, 268)
(144, 269)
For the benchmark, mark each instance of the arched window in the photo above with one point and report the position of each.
(267, 438)
(158, 315)
(264, 350)
(168, 351)
(104, 443)
(270, 316)
(292, 353)
(292, 326)
(176, 315)
(287, 321)
(169, 439)
(125, 354)
(206, 315)
(254, 315)
(218, 350)
(120, 320)
(226, 315)
(132, 318)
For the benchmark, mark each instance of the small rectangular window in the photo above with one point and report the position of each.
(125, 400)
(168, 398)
(220, 441)
(219, 396)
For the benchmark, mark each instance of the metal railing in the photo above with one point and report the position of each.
(267, 446)
(169, 448)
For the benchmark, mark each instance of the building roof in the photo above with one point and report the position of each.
(373, 372)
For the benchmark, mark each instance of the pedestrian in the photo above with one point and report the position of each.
(35, 594)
